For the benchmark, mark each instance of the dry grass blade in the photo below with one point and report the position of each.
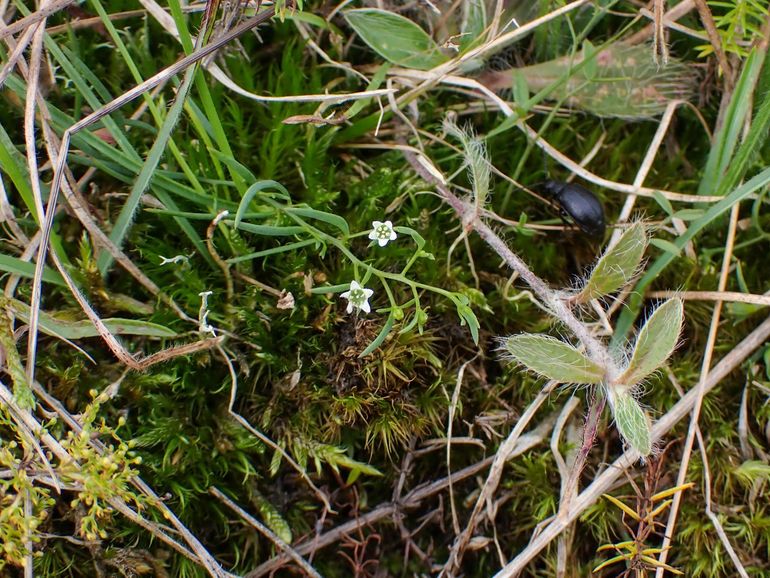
(410, 500)
(669, 20)
(700, 389)
(503, 454)
(660, 46)
(644, 168)
(269, 534)
(46, 10)
(33, 78)
(723, 296)
(573, 166)
(17, 51)
(73, 197)
(450, 424)
(711, 29)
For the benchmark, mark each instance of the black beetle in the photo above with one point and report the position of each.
(578, 203)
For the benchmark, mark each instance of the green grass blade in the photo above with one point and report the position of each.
(27, 270)
(123, 222)
(736, 172)
(726, 141)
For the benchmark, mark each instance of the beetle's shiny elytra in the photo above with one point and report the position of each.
(578, 203)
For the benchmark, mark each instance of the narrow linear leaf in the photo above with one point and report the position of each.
(271, 231)
(468, 316)
(553, 359)
(418, 239)
(617, 266)
(12, 164)
(330, 289)
(251, 192)
(671, 491)
(728, 139)
(233, 165)
(673, 250)
(658, 564)
(273, 251)
(689, 214)
(395, 38)
(627, 509)
(330, 218)
(631, 420)
(610, 562)
(26, 269)
(520, 90)
(664, 203)
(656, 341)
(67, 329)
(474, 23)
(119, 326)
(126, 217)
(380, 337)
(355, 465)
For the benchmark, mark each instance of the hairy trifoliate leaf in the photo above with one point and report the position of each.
(631, 420)
(617, 266)
(553, 359)
(656, 341)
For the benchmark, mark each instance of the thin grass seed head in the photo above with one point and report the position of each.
(476, 159)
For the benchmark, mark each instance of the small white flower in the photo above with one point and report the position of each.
(357, 297)
(383, 233)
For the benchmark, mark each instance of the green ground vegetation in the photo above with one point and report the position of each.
(301, 194)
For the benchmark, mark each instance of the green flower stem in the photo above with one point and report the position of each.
(356, 235)
(392, 299)
(334, 241)
(412, 261)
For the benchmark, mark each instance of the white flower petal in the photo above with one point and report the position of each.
(388, 224)
(358, 297)
(373, 234)
(382, 242)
